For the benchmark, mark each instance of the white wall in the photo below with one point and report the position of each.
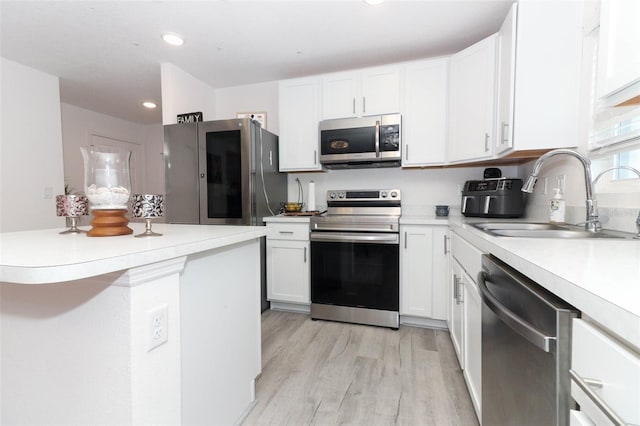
(261, 97)
(80, 126)
(421, 189)
(183, 93)
(31, 172)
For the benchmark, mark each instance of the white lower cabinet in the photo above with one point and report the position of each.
(423, 269)
(609, 370)
(473, 341)
(288, 266)
(456, 312)
(465, 321)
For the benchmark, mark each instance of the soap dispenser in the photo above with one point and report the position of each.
(557, 207)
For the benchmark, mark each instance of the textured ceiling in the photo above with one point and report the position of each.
(108, 53)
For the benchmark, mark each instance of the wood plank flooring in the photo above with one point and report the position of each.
(328, 373)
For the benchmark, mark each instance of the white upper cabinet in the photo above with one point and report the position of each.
(298, 144)
(369, 91)
(617, 107)
(424, 112)
(505, 77)
(618, 49)
(339, 95)
(472, 101)
(539, 76)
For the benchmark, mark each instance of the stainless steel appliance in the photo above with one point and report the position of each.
(222, 172)
(361, 142)
(526, 352)
(355, 258)
(499, 197)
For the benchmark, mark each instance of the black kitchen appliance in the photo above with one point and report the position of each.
(355, 258)
(493, 198)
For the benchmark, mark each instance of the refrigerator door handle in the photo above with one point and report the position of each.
(513, 321)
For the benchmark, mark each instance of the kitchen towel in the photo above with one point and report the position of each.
(311, 197)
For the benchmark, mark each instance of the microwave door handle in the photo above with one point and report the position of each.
(377, 138)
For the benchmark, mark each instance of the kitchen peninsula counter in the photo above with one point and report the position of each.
(83, 324)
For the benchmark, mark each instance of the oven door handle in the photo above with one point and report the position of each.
(355, 237)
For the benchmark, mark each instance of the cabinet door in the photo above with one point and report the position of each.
(424, 112)
(340, 95)
(298, 144)
(618, 52)
(472, 102)
(505, 76)
(473, 342)
(416, 257)
(288, 271)
(380, 91)
(423, 272)
(456, 300)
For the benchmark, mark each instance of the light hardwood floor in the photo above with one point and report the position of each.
(328, 373)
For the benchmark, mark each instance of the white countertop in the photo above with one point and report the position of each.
(424, 220)
(600, 277)
(45, 256)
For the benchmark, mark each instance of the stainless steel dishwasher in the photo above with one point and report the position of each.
(526, 349)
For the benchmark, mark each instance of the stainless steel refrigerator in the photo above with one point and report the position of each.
(222, 172)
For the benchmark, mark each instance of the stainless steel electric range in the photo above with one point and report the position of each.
(355, 258)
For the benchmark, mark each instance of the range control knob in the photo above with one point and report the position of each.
(341, 195)
(332, 195)
(383, 194)
(394, 194)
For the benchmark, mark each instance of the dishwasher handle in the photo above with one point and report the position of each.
(517, 324)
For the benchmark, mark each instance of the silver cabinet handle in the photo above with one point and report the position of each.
(599, 402)
(287, 232)
(460, 292)
(446, 250)
(305, 255)
(405, 240)
(486, 142)
(354, 105)
(315, 156)
(455, 288)
(270, 158)
(513, 321)
(364, 104)
(504, 135)
(406, 152)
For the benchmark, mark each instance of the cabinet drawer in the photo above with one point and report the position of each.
(288, 231)
(468, 255)
(597, 357)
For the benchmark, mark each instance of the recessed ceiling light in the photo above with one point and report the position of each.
(373, 2)
(173, 39)
(149, 104)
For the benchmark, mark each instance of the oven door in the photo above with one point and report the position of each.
(358, 270)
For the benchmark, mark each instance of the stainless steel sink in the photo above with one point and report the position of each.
(544, 230)
(528, 226)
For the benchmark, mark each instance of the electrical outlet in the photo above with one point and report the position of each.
(158, 320)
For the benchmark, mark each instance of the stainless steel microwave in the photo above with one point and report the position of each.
(361, 142)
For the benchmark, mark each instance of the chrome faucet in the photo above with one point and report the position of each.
(625, 168)
(592, 223)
